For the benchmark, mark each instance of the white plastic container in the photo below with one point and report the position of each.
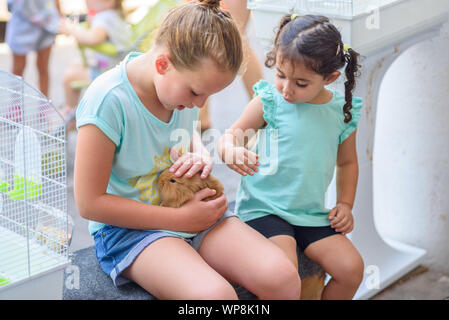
(366, 25)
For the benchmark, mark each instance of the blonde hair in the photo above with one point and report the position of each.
(196, 30)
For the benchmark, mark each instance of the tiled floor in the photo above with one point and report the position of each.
(420, 284)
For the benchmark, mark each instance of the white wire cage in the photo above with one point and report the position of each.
(35, 229)
(334, 8)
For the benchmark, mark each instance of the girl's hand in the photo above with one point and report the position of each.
(201, 215)
(341, 218)
(191, 163)
(65, 26)
(241, 160)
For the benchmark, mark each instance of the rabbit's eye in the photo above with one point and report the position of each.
(172, 180)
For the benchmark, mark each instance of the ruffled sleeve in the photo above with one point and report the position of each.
(265, 90)
(349, 127)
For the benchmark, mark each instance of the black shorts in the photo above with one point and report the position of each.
(272, 225)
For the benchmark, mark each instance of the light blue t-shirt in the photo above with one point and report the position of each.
(142, 140)
(297, 154)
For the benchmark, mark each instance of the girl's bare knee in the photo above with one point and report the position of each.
(74, 72)
(351, 271)
(69, 76)
(220, 290)
(357, 269)
(280, 280)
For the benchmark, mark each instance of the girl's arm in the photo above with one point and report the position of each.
(93, 163)
(90, 37)
(231, 146)
(341, 216)
(347, 170)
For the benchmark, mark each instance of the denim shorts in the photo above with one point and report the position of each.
(116, 248)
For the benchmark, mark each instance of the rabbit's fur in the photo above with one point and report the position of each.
(175, 191)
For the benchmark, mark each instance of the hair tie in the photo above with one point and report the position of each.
(294, 16)
(346, 47)
(219, 13)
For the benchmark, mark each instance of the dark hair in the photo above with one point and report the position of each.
(316, 42)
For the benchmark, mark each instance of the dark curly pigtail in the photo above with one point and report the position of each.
(351, 71)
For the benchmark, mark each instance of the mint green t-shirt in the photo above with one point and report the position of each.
(297, 154)
(142, 140)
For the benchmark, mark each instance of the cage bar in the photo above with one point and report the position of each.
(35, 229)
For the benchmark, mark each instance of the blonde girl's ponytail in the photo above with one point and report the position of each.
(213, 4)
(196, 30)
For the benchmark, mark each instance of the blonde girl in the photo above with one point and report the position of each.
(129, 121)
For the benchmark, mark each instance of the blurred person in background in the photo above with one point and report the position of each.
(33, 26)
(252, 69)
(106, 23)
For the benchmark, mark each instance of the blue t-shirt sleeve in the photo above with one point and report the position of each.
(106, 114)
(265, 90)
(349, 127)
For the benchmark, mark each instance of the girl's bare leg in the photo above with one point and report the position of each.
(253, 70)
(253, 73)
(341, 260)
(288, 246)
(310, 286)
(75, 72)
(18, 64)
(170, 268)
(42, 59)
(244, 256)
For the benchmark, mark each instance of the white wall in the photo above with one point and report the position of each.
(411, 154)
